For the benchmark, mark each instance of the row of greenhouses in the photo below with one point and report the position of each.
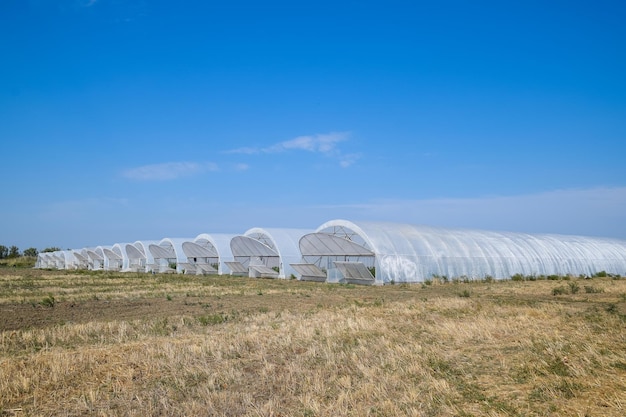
(355, 252)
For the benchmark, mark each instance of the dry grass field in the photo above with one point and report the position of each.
(109, 344)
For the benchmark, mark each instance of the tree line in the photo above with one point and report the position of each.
(7, 252)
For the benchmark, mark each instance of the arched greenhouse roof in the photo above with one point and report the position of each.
(213, 246)
(410, 253)
(144, 252)
(167, 249)
(82, 261)
(270, 243)
(120, 250)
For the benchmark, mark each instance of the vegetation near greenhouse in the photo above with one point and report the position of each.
(105, 343)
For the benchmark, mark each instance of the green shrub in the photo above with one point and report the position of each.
(559, 290)
(211, 319)
(573, 287)
(593, 290)
(48, 301)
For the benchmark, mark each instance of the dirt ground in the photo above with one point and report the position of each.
(23, 316)
(295, 296)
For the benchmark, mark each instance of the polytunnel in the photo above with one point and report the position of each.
(51, 260)
(113, 260)
(208, 254)
(58, 260)
(96, 258)
(168, 255)
(266, 252)
(44, 260)
(120, 250)
(381, 253)
(82, 261)
(139, 256)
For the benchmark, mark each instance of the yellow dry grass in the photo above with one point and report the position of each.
(474, 349)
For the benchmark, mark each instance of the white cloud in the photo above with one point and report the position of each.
(88, 3)
(245, 150)
(322, 143)
(325, 144)
(168, 171)
(349, 159)
(241, 167)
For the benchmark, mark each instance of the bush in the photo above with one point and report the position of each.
(593, 290)
(48, 301)
(573, 287)
(212, 319)
(559, 291)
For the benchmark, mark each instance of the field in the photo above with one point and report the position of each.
(115, 344)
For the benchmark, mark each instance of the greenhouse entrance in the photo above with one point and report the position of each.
(201, 258)
(336, 254)
(164, 258)
(254, 258)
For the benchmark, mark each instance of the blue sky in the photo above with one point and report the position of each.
(123, 120)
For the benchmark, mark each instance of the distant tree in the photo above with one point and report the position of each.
(14, 252)
(4, 251)
(51, 249)
(30, 252)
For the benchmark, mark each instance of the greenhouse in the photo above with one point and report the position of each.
(357, 252)
(139, 257)
(266, 252)
(208, 254)
(96, 258)
(168, 256)
(112, 260)
(55, 260)
(381, 253)
(82, 262)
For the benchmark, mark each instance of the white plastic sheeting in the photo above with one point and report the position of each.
(345, 251)
(409, 253)
(139, 256)
(168, 254)
(82, 260)
(62, 259)
(45, 260)
(112, 260)
(208, 253)
(120, 250)
(96, 259)
(273, 248)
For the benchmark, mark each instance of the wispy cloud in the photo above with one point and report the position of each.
(168, 171)
(325, 144)
(88, 3)
(242, 167)
(349, 159)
